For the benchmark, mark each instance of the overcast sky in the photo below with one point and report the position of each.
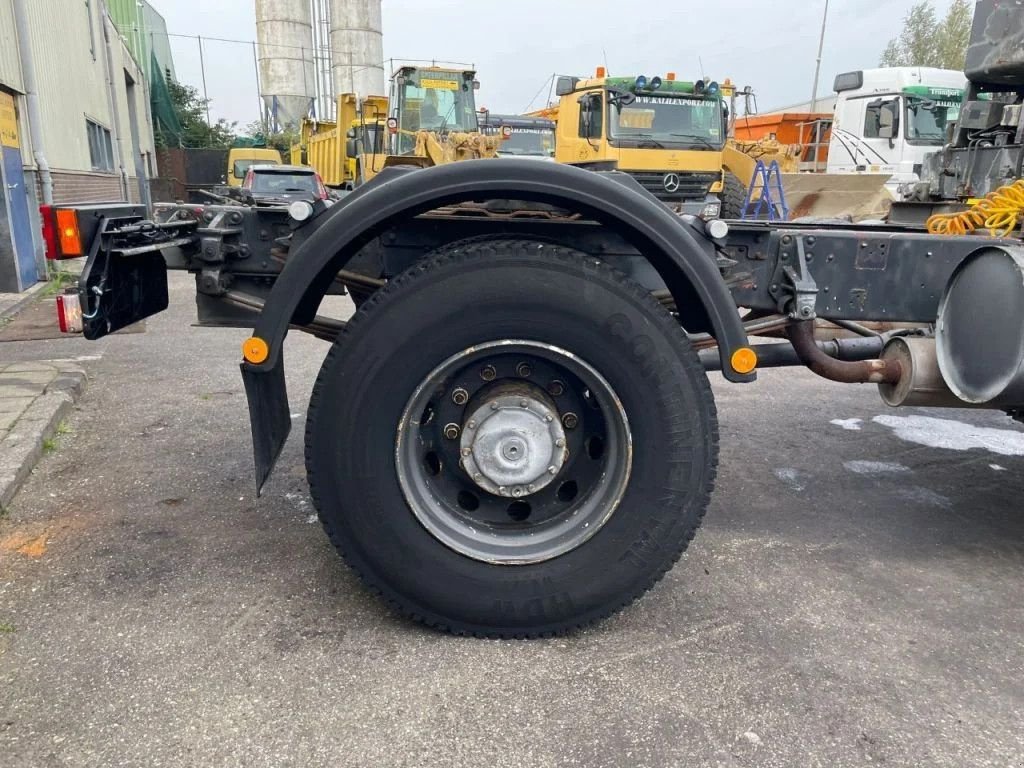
(517, 45)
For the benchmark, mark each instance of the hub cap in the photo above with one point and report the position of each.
(513, 452)
(513, 444)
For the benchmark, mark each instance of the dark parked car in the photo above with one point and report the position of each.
(283, 184)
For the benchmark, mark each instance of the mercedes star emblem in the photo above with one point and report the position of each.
(671, 182)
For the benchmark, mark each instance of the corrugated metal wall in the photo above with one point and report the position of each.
(71, 71)
(10, 69)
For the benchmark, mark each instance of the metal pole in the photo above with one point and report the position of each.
(817, 66)
(35, 115)
(112, 92)
(259, 88)
(202, 71)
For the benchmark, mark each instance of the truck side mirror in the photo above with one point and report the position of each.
(351, 148)
(565, 85)
(350, 133)
(590, 114)
(888, 122)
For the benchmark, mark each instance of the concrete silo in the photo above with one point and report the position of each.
(284, 35)
(357, 49)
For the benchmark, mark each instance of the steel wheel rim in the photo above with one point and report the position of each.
(430, 473)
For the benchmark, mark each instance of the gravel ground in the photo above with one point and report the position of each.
(853, 597)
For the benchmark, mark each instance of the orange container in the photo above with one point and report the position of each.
(788, 128)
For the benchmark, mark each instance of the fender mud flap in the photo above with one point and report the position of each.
(269, 415)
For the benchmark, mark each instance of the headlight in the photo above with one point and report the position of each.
(711, 210)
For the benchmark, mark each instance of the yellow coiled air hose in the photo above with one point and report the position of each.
(998, 212)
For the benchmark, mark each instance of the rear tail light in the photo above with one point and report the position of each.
(69, 313)
(49, 231)
(60, 233)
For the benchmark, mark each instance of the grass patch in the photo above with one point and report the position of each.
(6, 628)
(63, 428)
(49, 444)
(57, 280)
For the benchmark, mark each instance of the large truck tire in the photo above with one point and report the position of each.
(734, 197)
(511, 439)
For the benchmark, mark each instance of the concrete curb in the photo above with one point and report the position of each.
(23, 299)
(22, 448)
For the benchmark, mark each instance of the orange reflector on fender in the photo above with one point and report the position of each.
(744, 360)
(255, 350)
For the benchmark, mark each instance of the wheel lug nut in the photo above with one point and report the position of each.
(466, 451)
(460, 396)
(494, 406)
(524, 370)
(552, 470)
(488, 373)
(570, 420)
(556, 388)
(451, 431)
(517, 491)
(502, 490)
(471, 425)
(560, 443)
(523, 403)
(531, 488)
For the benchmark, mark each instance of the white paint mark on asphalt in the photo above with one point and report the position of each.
(311, 520)
(296, 415)
(996, 468)
(753, 738)
(924, 496)
(790, 477)
(852, 425)
(954, 435)
(875, 467)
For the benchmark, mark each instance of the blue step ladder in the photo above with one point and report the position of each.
(765, 195)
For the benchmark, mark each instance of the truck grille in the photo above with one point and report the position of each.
(692, 186)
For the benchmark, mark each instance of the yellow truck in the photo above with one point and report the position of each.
(430, 119)
(240, 158)
(666, 133)
(350, 151)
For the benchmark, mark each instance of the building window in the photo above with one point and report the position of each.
(101, 152)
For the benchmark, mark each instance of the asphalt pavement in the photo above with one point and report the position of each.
(853, 598)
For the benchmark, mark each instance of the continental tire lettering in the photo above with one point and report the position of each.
(641, 348)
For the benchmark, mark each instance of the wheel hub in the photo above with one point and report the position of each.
(513, 443)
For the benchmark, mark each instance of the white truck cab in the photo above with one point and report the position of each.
(886, 120)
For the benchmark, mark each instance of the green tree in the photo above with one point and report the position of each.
(927, 41)
(190, 108)
(281, 141)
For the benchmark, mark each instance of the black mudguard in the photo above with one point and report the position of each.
(397, 194)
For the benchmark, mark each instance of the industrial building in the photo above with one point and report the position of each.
(75, 125)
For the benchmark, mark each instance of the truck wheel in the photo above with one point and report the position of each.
(511, 440)
(734, 196)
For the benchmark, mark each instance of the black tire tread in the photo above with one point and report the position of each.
(734, 195)
(466, 252)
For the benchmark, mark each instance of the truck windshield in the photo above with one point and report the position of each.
(529, 141)
(241, 167)
(667, 121)
(927, 120)
(437, 101)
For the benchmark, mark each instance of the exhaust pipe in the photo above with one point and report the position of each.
(920, 382)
